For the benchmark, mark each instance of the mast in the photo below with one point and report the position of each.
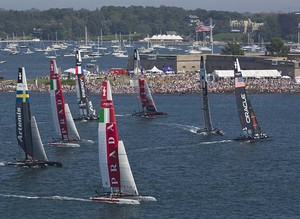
(211, 36)
(205, 102)
(246, 114)
(136, 75)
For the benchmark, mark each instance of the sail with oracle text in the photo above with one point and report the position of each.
(250, 127)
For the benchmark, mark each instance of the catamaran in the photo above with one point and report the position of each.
(250, 127)
(116, 174)
(27, 132)
(62, 118)
(145, 101)
(86, 109)
(208, 128)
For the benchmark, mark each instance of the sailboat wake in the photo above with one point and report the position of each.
(121, 115)
(189, 128)
(216, 142)
(64, 198)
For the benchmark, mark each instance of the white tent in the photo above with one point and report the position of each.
(72, 71)
(247, 74)
(297, 79)
(154, 70)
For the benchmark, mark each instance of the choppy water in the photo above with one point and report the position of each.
(191, 175)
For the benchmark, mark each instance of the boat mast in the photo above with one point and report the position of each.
(205, 102)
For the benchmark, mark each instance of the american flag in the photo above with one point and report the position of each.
(203, 28)
(239, 82)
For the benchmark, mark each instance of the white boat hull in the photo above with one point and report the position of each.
(147, 199)
(64, 144)
(115, 200)
(86, 141)
(123, 199)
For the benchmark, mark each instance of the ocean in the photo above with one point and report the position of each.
(190, 175)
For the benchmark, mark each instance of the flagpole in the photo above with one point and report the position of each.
(211, 37)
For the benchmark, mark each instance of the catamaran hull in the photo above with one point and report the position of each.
(115, 200)
(149, 115)
(86, 118)
(213, 132)
(123, 199)
(64, 144)
(71, 144)
(252, 139)
(35, 164)
(87, 141)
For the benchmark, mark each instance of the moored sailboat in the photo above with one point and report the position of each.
(86, 109)
(208, 127)
(62, 118)
(146, 103)
(27, 132)
(117, 178)
(250, 127)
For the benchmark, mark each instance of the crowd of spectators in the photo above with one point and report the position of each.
(172, 83)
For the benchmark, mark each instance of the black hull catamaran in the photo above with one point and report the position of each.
(86, 109)
(250, 127)
(27, 132)
(146, 103)
(117, 178)
(208, 128)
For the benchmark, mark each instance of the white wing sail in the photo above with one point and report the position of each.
(54, 112)
(38, 148)
(73, 133)
(128, 185)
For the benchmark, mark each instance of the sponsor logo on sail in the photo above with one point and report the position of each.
(19, 127)
(245, 106)
(112, 143)
(82, 86)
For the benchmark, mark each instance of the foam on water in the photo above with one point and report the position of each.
(55, 197)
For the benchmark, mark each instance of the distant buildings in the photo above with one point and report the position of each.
(244, 26)
(169, 37)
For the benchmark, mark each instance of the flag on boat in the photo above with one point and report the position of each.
(203, 28)
(239, 82)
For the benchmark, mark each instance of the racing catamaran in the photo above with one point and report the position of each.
(116, 174)
(86, 109)
(27, 132)
(208, 128)
(250, 127)
(62, 118)
(145, 101)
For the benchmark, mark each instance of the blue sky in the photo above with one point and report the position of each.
(220, 5)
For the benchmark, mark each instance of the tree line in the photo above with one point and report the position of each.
(138, 21)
